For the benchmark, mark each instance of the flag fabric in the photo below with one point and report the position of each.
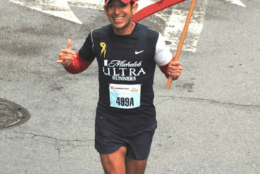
(149, 7)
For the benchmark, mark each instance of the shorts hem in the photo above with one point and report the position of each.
(139, 129)
(137, 158)
(109, 151)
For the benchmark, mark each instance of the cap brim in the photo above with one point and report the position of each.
(124, 1)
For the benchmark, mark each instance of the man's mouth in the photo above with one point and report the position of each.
(119, 18)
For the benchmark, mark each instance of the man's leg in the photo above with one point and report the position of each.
(114, 163)
(135, 166)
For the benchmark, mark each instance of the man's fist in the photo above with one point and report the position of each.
(174, 69)
(66, 55)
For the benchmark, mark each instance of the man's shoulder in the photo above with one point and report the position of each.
(151, 33)
(97, 31)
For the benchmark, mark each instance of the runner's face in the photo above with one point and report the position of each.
(119, 14)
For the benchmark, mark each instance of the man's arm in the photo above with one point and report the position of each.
(77, 65)
(164, 60)
(173, 69)
(71, 61)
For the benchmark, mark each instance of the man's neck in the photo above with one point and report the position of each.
(125, 31)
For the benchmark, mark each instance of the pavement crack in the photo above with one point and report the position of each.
(55, 141)
(210, 101)
(60, 145)
(58, 151)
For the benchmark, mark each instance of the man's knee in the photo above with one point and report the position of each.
(114, 162)
(134, 166)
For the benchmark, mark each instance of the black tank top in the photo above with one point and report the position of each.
(125, 60)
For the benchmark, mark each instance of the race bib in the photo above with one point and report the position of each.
(125, 96)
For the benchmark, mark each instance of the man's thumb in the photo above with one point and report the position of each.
(69, 44)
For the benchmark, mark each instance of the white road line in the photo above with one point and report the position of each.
(174, 22)
(59, 8)
(144, 3)
(94, 4)
(237, 2)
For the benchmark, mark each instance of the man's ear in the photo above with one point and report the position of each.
(135, 7)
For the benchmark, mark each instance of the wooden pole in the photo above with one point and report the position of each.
(169, 81)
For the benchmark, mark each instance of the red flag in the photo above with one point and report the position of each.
(149, 7)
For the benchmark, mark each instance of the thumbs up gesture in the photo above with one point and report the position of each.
(66, 55)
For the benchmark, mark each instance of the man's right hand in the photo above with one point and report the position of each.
(66, 55)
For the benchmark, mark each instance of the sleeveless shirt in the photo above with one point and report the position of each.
(126, 67)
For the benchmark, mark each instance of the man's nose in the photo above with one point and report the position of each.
(116, 10)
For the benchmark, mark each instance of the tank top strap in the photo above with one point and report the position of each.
(104, 33)
(142, 39)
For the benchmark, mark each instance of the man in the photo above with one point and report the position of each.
(127, 53)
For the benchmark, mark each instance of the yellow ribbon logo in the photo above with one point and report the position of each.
(103, 46)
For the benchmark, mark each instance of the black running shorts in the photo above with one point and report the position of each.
(138, 142)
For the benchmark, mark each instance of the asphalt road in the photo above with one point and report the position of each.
(208, 122)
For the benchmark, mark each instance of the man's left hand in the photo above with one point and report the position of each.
(174, 69)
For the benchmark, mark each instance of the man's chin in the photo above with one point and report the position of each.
(119, 26)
